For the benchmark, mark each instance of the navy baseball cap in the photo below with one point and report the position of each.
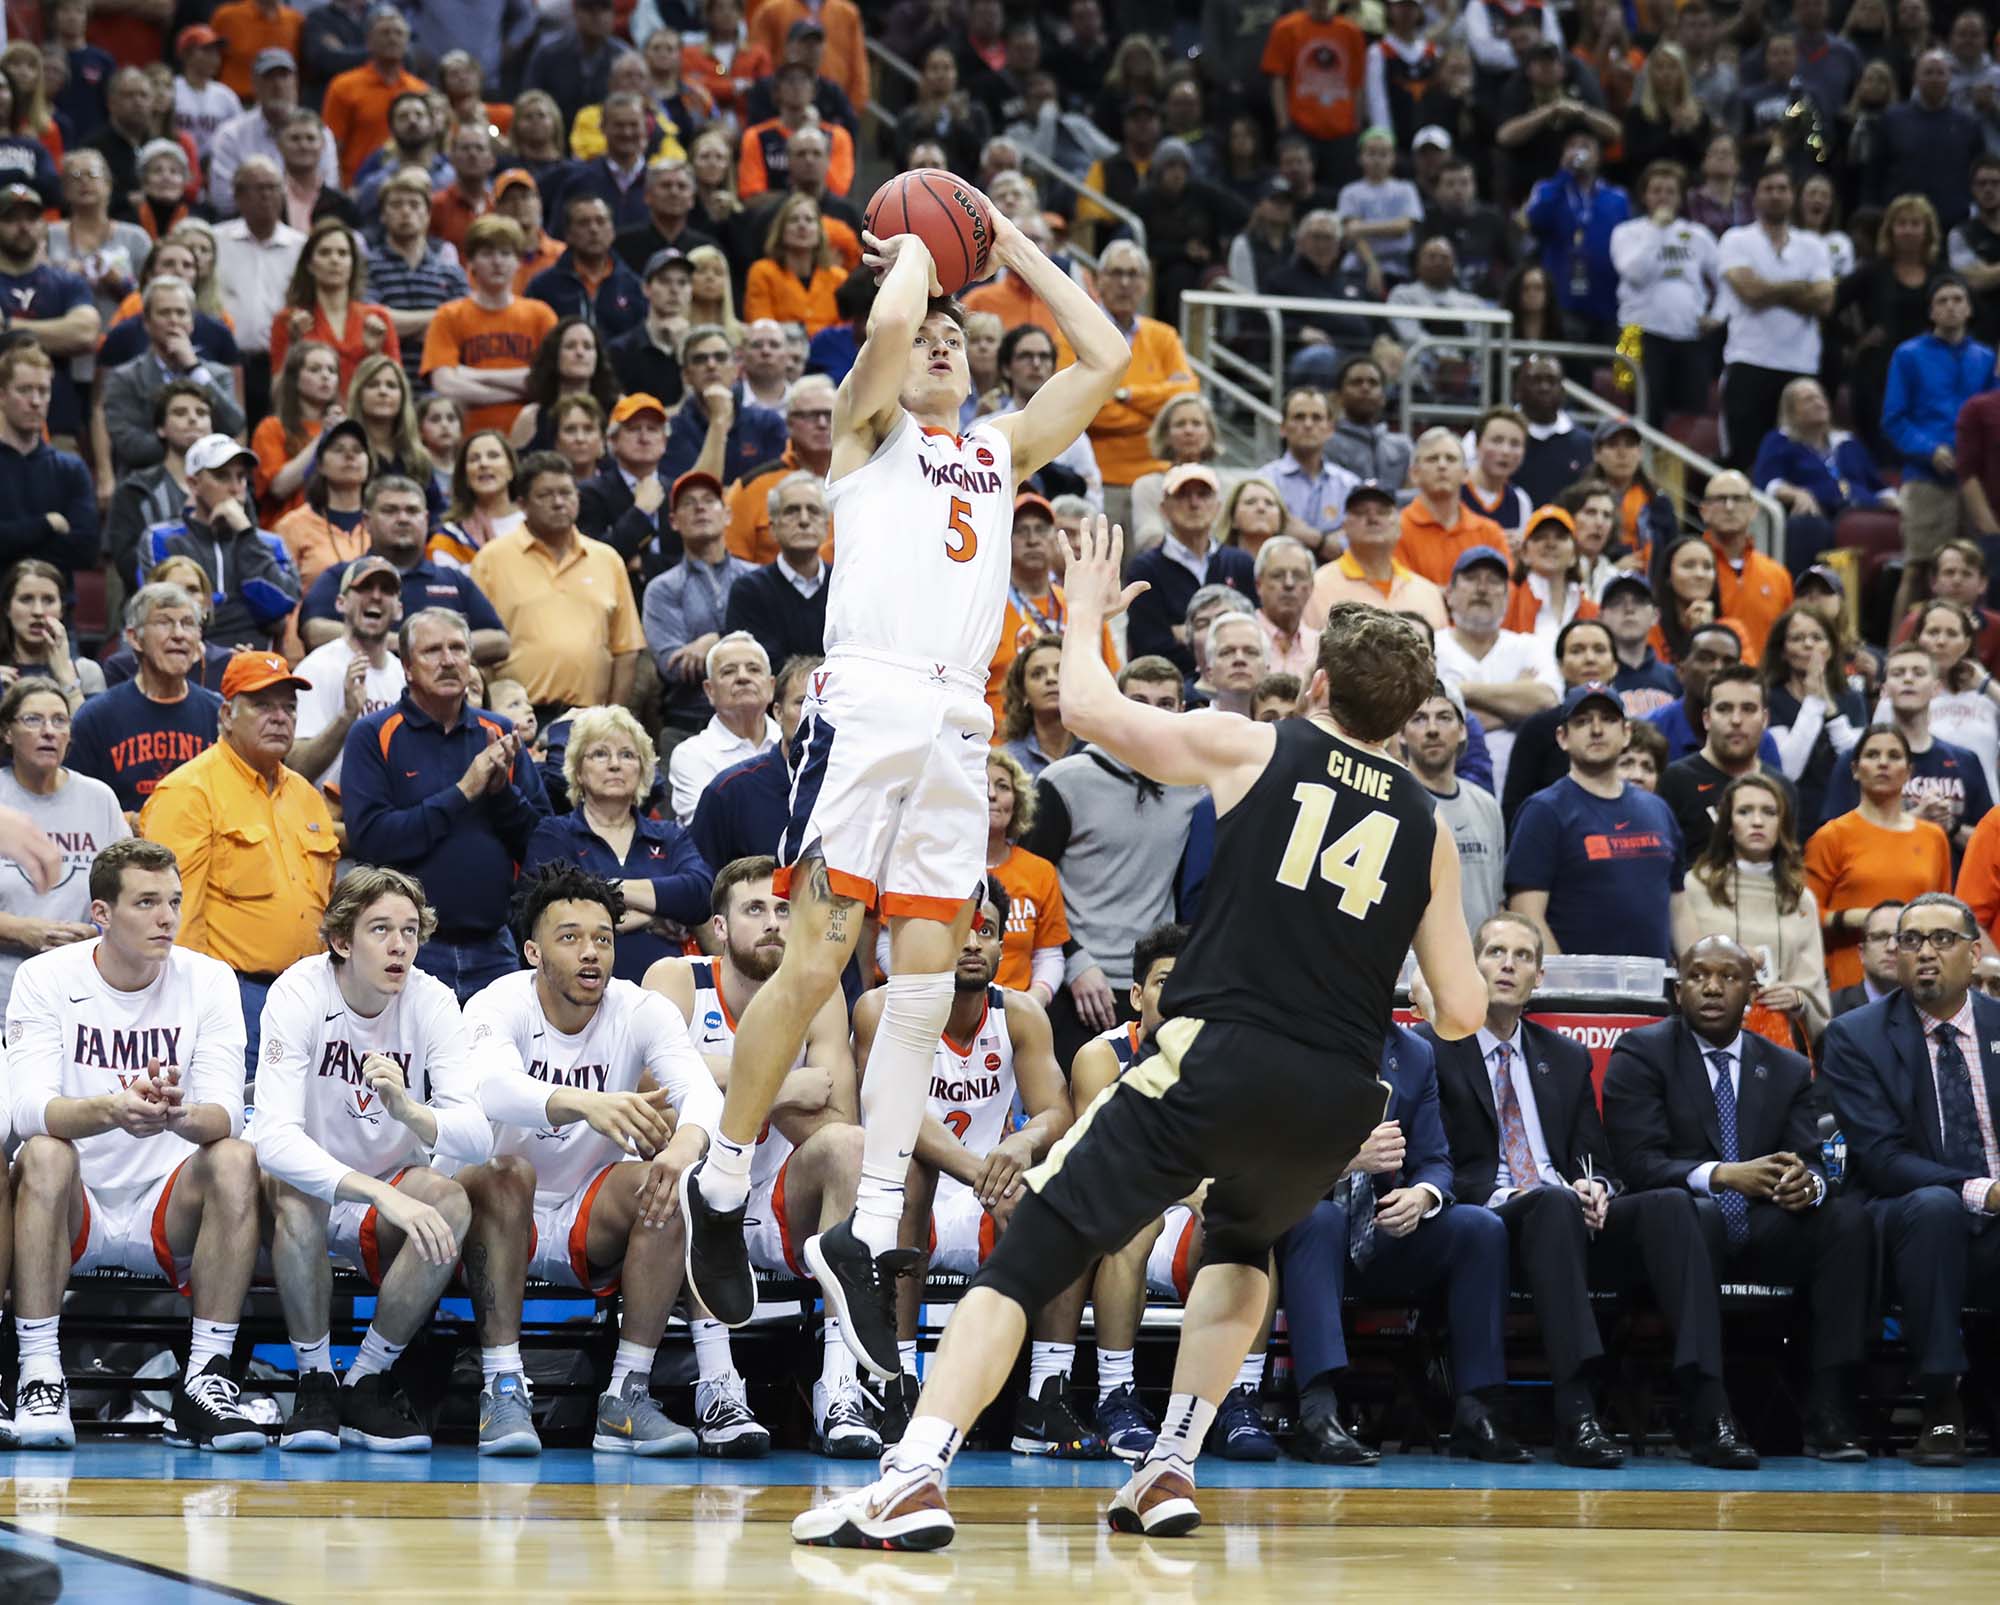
(1580, 697)
(1626, 580)
(1827, 576)
(1371, 490)
(1473, 556)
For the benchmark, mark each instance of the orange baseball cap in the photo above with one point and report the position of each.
(258, 671)
(630, 406)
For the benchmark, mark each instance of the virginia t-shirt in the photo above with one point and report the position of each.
(82, 818)
(1940, 771)
(1609, 865)
(132, 743)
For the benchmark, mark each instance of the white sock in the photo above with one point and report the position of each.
(927, 1441)
(1047, 1360)
(914, 1011)
(41, 1352)
(711, 1349)
(376, 1353)
(724, 1178)
(838, 1364)
(316, 1355)
(210, 1339)
(1250, 1374)
(632, 1359)
(1114, 1371)
(1182, 1431)
(906, 1354)
(501, 1360)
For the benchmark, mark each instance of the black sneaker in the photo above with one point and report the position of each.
(718, 1260)
(207, 1416)
(1044, 1424)
(314, 1427)
(1239, 1430)
(899, 1403)
(860, 1288)
(375, 1414)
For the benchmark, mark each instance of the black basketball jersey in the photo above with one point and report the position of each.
(1321, 875)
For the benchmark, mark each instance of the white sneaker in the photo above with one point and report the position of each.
(41, 1415)
(841, 1429)
(1157, 1500)
(723, 1420)
(901, 1509)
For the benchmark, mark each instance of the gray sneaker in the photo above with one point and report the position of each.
(506, 1419)
(630, 1423)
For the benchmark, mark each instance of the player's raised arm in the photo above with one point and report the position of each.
(1063, 408)
(1222, 751)
(865, 406)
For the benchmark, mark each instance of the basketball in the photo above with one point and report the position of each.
(943, 211)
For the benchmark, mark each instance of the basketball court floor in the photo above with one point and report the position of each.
(130, 1522)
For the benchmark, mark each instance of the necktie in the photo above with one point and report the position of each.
(1735, 1207)
(1360, 1201)
(1960, 1115)
(1513, 1128)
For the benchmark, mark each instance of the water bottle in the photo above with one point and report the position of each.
(1833, 1157)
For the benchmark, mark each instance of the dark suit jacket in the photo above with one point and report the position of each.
(606, 512)
(1848, 998)
(1410, 1068)
(1876, 1067)
(1565, 1101)
(1659, 1110)
(769, 606)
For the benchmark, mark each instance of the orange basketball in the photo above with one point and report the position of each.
(947, 214)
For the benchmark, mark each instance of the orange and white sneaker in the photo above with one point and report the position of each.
(902, 1509)
(1157, 1500)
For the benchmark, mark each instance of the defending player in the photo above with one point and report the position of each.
(1328, 864)
(806, 1165)
(966, 1177)
(125, 1059)
(562, 1047)
(888, 807)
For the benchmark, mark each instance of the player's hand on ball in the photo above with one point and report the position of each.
(1399, 1212)
(879, 256)
(429, 1233)
(633, 1120)
(382, 1075)
(1092, 567)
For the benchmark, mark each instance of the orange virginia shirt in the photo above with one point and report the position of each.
(1025, 619)
(1035, 917)
(464, 334)
(356, 112)
(247, 29)
(1755, 597)
(1322, 64)
(1428, 550)
(774, 291)
(1979, 875)
(1853, 863)
(1159, 372)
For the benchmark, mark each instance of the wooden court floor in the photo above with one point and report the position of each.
(166, 1529)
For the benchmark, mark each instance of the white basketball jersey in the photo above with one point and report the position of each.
(925, 547)
(712, 1029)
(972, 1083)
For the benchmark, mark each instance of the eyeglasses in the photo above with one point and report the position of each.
(1879, 939)
(43, 721)
(1943, 941)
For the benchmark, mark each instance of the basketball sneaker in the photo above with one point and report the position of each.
(899, 1403)
(718, 1260)
(1239, 1432)
(722, 1417)
(206, 1413)
(506, 1417)
(1157, 1500)
(314, 1427)
(840, 1423)
(630, 1422)
(376, 1414)
(904, 1508)
(1125, 1425)
(1044, 1424)
(860, 1288)
(41, 1415)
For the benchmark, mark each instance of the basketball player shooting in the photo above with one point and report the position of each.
(888, 802)
(1328, 866)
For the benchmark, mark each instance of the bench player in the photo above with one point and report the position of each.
(1328, 865)
(888, 804)
(807, 1160)
(563, 1047)
(965, 1177)
(125, 1064)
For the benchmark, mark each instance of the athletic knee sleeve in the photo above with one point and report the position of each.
(914, 1011)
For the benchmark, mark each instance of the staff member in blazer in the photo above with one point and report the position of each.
(1698, 1103)
(1388, 1231)
(1526, 1142)
(1916, 1079)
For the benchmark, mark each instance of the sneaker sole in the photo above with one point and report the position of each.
(1131, 1454)
(742, 1448)
(355, 1438)
(836, 1302)
(311, 1441)
(223, 1443)
(652, 1449)
(924, 1531)
(727, 1317)
(847, 1448)
(513, 1445)
(1024, 1445)
(59, 1438)
(1173, 1518)
(1254, 1454)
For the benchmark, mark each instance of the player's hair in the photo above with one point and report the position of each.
(991, 891)
(593, 724)
(1161, 942)
(358, 891)
(107, 870)
(429, 615)
(1022, 785)
(562, 883)
(1733, 674)
(494, 232)
(1378, 670)
(1277, 684)
(1508, 917)
(1149, 669)
(739, 872)
(1016, 718)
(946, 306)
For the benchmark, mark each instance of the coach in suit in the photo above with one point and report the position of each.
(1526, 1142)
(1388, 1232)
(1698, 1103)
(1915, 1079)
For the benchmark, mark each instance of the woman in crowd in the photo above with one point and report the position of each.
(1183, 431)
(381, 401)
(1720, 202)
(324, 302)
(1818, 215)
(328, 527)
(1876, 852)
(1815, 471)
(1136, 69)
(1548, 585)
(987, 392)
(1860, 123)
(537, 138)
(1031, 957)
(198, 234)
(482, 505)
(1645, 516)
(1594, 511)
(89, 242)
(610, 765)
(1251, 514)
(307, 398)
(1684, 586)
(1750, 883)
(1499, 441)
(571, 361)
(710, 299)
(33, 641)
(33, 114)
(942, 111)
(794, 280)
(1666, 122)
(34, 726)
(1527, 298)
(713, 161)
(1966, 709)
(1815, 716)
(1887, 300)
(577, 426)
(1031, 709)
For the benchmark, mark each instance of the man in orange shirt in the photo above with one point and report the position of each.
(1751, 588)
(469, 195)
(1438, 527)
(1367, 571)
(1315, 62)
(356, 108)
(250, 26)
(763, 163)
(845, 58)
(809, 420)
(479, 348)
